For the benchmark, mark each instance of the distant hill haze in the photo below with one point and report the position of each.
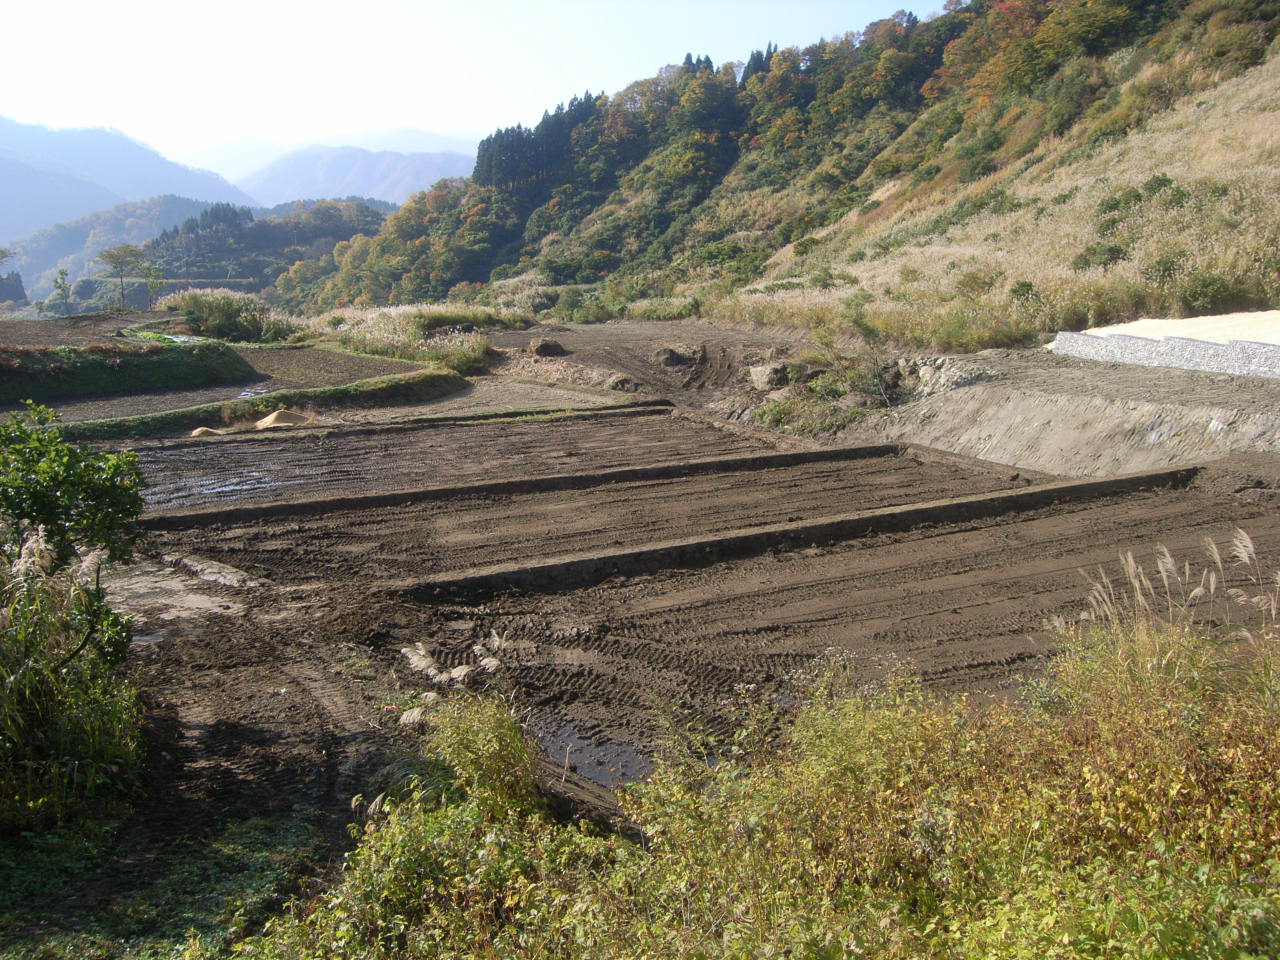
(352, 171)
(51, 176)
(75, 244)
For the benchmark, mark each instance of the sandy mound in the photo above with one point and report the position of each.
(284, 418)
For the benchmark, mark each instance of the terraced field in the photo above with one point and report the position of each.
(353, 461)
(616, 568)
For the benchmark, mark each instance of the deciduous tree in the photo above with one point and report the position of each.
(120, 260)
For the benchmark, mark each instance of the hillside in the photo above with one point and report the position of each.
(940, 180)
(225, 242)
(351, 171)
(72, 246)
(53, 176)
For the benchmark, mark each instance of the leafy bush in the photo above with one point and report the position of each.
(68, 723)
(1165, 268)
(1099, 255)
(1121, 201)
(1206, 293)
(229, 315)
(1022, 290)
(78, 497)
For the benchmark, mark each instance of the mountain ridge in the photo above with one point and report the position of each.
(41, 160)
(797, 188)
(324, 171)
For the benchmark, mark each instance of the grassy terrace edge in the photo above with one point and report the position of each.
(136, 366)
(400, 388)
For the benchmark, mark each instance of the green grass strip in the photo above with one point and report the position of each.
(401, 388)
(109, 369)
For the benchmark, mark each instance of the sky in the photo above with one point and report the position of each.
(186, 77)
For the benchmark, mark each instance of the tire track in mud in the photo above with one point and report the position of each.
(965, 607)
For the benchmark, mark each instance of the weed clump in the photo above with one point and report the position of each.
(229, 315)
(68, 723)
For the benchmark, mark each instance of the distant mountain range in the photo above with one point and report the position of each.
(321, 171)
(52, 176)
(237, 159)
(65, 195)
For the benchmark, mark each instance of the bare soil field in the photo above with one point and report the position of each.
(298, 464)
(68, 331)
(295, 630)
(467, 527)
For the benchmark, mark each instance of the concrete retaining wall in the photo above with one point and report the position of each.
(1241, 357)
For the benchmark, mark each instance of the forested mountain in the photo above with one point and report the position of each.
(50, 176)
(726, 188)
(228, 243)
(74, 245)
(351, 171)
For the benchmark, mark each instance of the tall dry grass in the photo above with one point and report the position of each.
(1203, 238)
(68, 720)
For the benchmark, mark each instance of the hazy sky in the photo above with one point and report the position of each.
(184, 76)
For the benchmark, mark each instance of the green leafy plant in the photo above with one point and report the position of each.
(79, 498)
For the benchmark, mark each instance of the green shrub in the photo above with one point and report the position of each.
(1205, 293)
(805, 245)
(1121, 201)
(1177, 197)
(1022, 291)
(78, 497)
(68, 724)
(1099, 255)
(1164, 268)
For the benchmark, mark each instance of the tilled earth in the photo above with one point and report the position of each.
(603, 665)
(349, 461)
(471, 529)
